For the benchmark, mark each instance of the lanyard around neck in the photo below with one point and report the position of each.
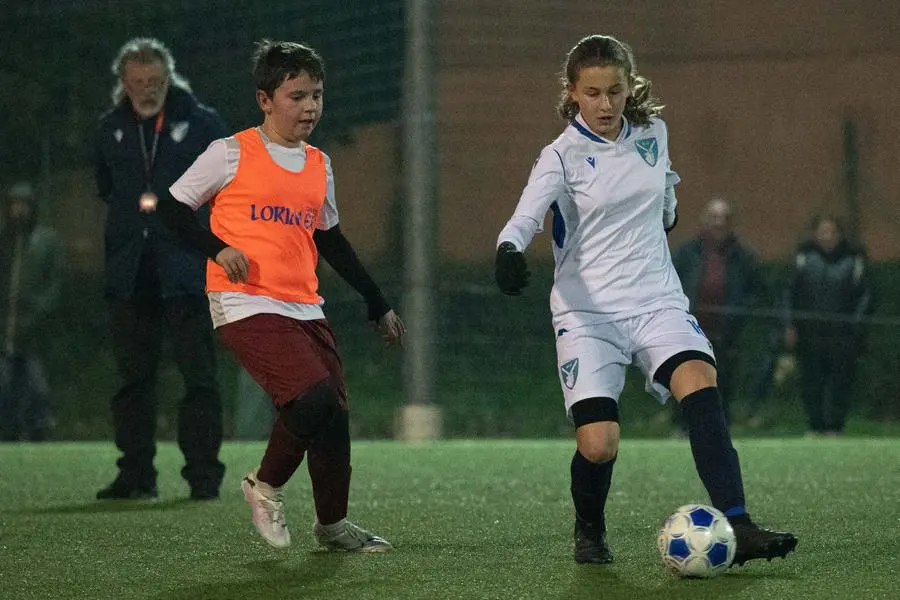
(150, 158)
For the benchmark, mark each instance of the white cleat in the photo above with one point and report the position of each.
(267, 509)
(346, 536)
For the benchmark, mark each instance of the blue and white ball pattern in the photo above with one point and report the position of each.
(697, 541)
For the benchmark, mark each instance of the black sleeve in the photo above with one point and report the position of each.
(180, 220)
(101, 170)
(757, 287)
(220, 129)
(788, 296)
(214, 125)
(863, 289)
(336, 249)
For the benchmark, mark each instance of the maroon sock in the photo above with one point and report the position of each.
(283, 455)
(328, 463)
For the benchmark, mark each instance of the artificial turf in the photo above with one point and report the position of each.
(474, 519)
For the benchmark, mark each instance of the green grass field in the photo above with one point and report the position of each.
(469, 519)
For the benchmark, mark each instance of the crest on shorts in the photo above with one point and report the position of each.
(648, 148)
(568, 372)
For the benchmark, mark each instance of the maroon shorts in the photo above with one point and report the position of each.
(285, 356)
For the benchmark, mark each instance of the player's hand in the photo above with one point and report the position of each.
(235, 263)
(391, 328)
(511, 271)
(670, 220)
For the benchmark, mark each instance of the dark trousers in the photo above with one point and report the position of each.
(138, 328)
(827, 372)
(24, 399)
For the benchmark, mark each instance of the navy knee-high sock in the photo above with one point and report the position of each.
(590, 488)
(715, 457)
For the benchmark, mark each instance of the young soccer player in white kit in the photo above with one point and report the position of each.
(616, 297)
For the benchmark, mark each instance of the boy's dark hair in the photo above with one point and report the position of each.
(274, 62)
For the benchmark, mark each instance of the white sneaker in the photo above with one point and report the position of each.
(267, 509)
(344, 535)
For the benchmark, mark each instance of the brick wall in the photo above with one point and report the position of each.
(755, 93)
(755, 97)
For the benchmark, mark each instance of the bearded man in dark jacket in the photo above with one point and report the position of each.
(153, 133)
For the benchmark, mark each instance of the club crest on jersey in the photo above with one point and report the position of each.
(591, 161)
(648, 149)
(569, 373)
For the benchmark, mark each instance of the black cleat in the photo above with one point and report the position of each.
(754, 541)
(123, 490)
(590, 546)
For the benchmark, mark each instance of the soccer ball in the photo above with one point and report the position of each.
(697, 541)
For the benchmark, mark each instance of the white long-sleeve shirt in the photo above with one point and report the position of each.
(610, 201)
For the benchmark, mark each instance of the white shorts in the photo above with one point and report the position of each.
(591, 360)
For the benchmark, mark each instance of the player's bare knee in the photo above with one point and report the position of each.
(599, 449)
(687, 372)
(692, 376)
(597, 428)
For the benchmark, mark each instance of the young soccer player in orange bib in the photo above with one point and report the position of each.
(272, 213)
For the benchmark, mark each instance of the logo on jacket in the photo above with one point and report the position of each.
(591, 161)
(179, 131)
(568, 372)
(118, 135)
(648, 149)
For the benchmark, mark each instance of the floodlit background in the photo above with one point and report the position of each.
(785, 108)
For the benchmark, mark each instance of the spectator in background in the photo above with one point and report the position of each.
(720, 277)
(29, 283)
(152, 134)
(828, 296)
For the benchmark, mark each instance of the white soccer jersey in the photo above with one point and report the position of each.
(610, 200)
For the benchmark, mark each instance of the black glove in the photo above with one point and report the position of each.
(511, 271)
(674, 222)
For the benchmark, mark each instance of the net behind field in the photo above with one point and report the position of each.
(497, 62)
